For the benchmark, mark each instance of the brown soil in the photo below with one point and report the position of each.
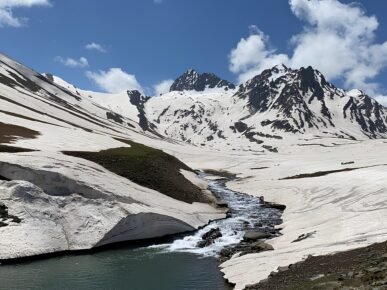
(10, 133)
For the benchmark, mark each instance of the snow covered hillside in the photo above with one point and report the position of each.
(72, 162)
(281, 106)
(53, 202)
(277, 107)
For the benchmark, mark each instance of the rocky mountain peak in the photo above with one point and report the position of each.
(191, 80)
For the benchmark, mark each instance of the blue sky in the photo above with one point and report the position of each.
(149, 41)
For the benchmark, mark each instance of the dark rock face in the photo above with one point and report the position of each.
(191, 80)
(138, 100)
(4, 216)
(290, 94)
(115, 117)
(368, 113)
(210, 237)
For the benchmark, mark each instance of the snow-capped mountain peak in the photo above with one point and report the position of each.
(191, 80)
(276, 107)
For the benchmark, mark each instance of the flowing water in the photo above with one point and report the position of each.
(174, 266)
(245, 213)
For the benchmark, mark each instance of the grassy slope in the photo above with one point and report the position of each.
(148, 167)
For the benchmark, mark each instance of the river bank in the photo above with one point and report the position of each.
(245, 213)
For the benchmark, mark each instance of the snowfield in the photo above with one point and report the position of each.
(325, 160)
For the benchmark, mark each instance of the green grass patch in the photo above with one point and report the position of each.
(148, 167)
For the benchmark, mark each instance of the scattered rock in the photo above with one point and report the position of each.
(303, 237)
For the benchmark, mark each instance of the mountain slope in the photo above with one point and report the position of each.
(55, 202)
(279, 107)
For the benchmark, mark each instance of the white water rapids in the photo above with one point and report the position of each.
(245, 213)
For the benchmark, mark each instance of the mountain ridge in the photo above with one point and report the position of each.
(277, 106)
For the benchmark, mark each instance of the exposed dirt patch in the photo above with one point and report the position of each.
(10, 133)
(364, 268)
(318, 173)
(323, 173)
(13, 149)
(148, 167)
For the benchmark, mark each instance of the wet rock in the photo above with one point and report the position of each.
(261, 247)
(255, 235)
(221, 204)
(244, 248)
(278, 206)
(209, 237)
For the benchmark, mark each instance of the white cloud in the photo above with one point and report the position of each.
(115, 80)
(95, 46)
(338, 39)
(74, 63)
(381, 99)
(252, 55)
(157, 1)
(163, 87)
(7, 17)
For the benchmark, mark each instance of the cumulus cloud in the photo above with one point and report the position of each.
(115, 80)
(74, 63)
(7, 17)
(95, 46)
(162, 87)
(338, 39)
(252, 55)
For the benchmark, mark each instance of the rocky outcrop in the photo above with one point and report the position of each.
(193, 81)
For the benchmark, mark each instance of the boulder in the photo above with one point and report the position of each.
(261, 247)
(210, 237)
(278, 206)
(253, 235)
